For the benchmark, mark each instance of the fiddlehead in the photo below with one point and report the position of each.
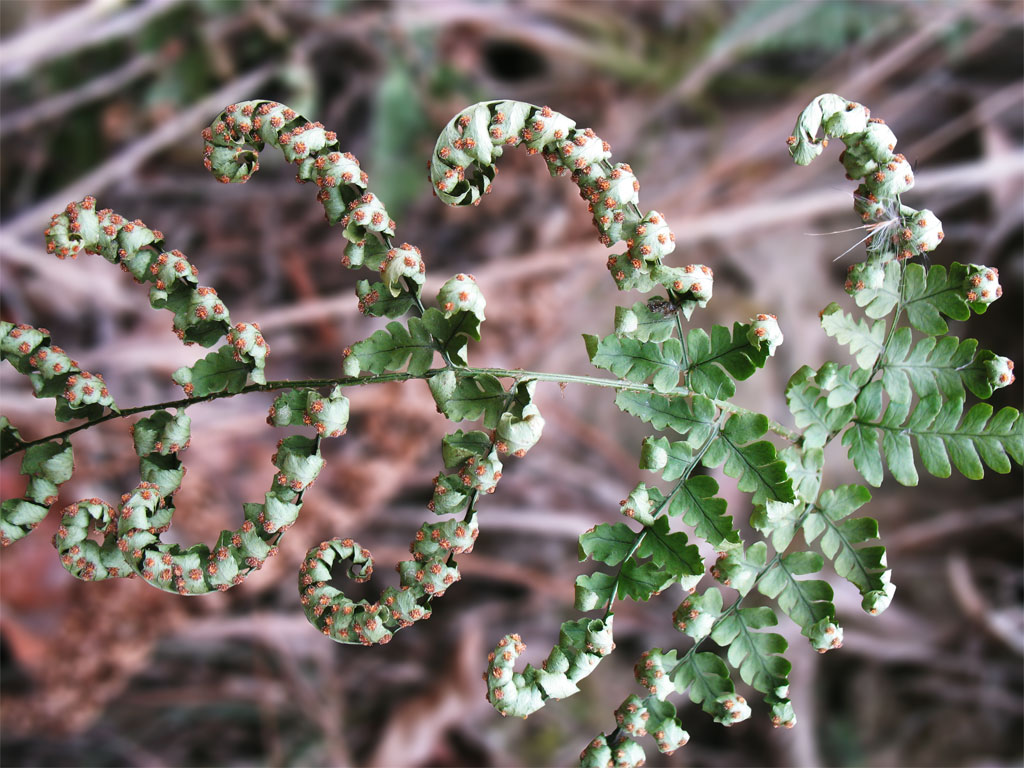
(232, 146)
(200, 316)
(463, 168)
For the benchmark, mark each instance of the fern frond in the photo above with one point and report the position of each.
(693, 418)
(864, 567)
(756, 655)
(865, 341)
(943, 432)
(806, 601)
(943, 366)
(581, 646)
(712, 358)
(637, 361)
(78, 394)
(649, 561)
(755, 465)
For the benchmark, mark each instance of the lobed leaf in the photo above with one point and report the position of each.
(811, 410)
(755, 465)
(757, 656)
(453, 333)
(390, 348)
(943, 365)
(805, 601)
(691, 417)
(865, 341)
(700, 508)
(943, 433)
(641, 581)
(609, 543)
(670, 551)
(468, 397)
(878, 300)
(712, 360)
(637, 361)
(804, 467)
(219, 371)
(706, 678)
(864, 567)
(929, 296)
(594, 590)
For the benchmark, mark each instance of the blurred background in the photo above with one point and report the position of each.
(108, 98)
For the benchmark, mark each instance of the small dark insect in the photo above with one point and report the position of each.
(662, 305)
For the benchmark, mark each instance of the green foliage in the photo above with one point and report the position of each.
(805, 601)
(693, 418)
(756, 465)
(864, 567)
(943, 433)
(468, 397)
(929, 296)
(755, 655)
(706, 678)
(649, 561)
(812, 410)
(78, 394)
(217, 372)
(908, 386)
(392, 348)
(866, 341)
(637, 360)
(933, 365)
(701, 509)
(711, 358)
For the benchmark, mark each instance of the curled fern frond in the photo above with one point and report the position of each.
(231, 153)
(78, 394)
(147, 511)
(475, 459)
(463, 168)
(897, 230)
(48, 466)
(581, 646)
(200, 316)
(427, 576)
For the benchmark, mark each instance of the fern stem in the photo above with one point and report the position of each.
(358, 381)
